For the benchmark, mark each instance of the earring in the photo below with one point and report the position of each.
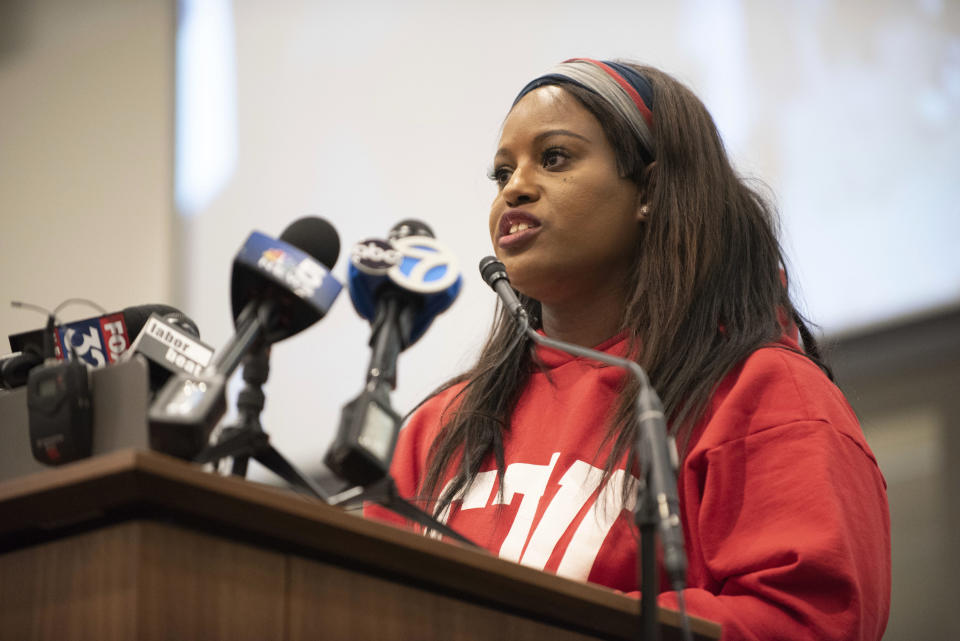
(644, 209)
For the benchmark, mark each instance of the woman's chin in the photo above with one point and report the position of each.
(534, 281)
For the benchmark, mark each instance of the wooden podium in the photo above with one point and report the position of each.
(136, 545)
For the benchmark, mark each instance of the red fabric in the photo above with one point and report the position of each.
(784, 508)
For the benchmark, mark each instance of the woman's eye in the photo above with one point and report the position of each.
(553, 158)
(500, 175)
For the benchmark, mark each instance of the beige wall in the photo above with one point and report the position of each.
(86, 149)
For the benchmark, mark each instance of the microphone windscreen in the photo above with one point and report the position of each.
(370, 260)
(410, 227)
(15, 368)
(136, 316)
(492, 270)
(315, 236)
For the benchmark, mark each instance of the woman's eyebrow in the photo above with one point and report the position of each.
(546, 134)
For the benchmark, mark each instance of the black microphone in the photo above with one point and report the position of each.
(278, 288)
(494, 274)
(15, 367)
(652, 435)
(96, 341)
(400, 286)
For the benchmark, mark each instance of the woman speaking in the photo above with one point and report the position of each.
(623, 227)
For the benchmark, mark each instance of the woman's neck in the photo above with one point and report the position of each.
(586, 320)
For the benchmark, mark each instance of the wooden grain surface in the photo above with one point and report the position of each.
(332, 603)
(197, 586)
(83, 587)
(32, 507)
(142, 580)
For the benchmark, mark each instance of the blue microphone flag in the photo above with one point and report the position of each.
(291, 268)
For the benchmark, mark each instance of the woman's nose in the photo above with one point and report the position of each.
(522, 187)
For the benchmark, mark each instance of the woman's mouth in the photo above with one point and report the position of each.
(516, 227)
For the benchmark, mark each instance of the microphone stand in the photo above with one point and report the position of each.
(653, 509)
(246, 439)
(384, 492)
(646, 518)
(352, 461)
(657, 490)
(360, 454)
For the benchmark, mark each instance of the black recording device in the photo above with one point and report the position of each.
(365, 440)
(59, 401)
(59, 406)
(59, 394)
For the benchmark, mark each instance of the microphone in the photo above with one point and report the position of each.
(171, 344)
(96, 341)
(15, 368)
(411, 264)
(400, 286)
(278, 288)
(652, 435)
(59, 393)
(494, 274)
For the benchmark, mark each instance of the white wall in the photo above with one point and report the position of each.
(367, 116)
(382, 111)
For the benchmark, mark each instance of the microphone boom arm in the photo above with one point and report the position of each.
(652, 437)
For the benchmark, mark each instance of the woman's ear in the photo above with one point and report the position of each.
(643, 211)
(645, 192)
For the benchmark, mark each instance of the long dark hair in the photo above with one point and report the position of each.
(709, 288)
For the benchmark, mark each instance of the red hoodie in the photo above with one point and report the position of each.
(784, 508)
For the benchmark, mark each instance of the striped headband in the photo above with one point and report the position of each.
(624, 89)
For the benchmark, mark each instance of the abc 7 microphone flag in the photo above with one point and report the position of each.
(419, 265)
(425, 267)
